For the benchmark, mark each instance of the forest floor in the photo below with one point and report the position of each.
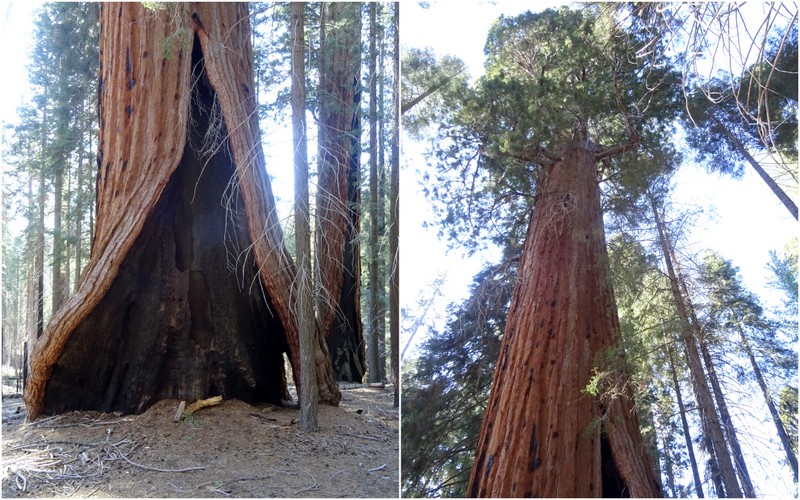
(233, 449)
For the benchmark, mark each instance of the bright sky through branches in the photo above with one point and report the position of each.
(740, 219)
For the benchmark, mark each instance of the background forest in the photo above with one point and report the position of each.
(711, 92)
(50, 161)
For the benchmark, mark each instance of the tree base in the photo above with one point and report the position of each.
(186, 317)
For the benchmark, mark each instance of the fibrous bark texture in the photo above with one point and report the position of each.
(337, 247)
(187, 292)
(304, 289)
(543, 435)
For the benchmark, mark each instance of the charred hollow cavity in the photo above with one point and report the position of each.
(186, 317)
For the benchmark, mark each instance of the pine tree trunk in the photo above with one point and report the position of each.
(773, 186)
(337, 251)
(381, 206)
(668, 467)
(791, 458)
(394, 214)
(58, 239)
(719, 396)
(304, 284)
(374, 361)
(38, 261)
(730, 430)
(705, 402)
(698, 484)
(59, 169)
(79, 214)
(171, 305)
(542, 434)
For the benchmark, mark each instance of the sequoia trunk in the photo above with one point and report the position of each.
(187, 292)
(337, 248)
(543, 435)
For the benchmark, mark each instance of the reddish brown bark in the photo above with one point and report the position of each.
(145, 96)
(394, 216)
(338, 266)
(304, 289)
(540, 435)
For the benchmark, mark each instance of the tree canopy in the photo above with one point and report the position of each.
(614, 78)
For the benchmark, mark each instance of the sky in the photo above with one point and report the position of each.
(740, 219)
(17, 36)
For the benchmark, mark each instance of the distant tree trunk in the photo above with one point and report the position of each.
(337, 251)
(38, 260)
(381, 214)
(304, 284)
(24, 363)
(705, 401)
(712, 463)
(791, 458)
(58, 239)
(183, 297)
(719, 396)
(394, 224)
(79, 214)
(773, 186)
(59, 171)
(668, 467)
(698, 484)
(542, 434)
(374, 360)
(727, 422)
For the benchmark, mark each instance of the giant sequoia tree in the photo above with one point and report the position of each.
(187, 292)
(338, 193)
(561, 108)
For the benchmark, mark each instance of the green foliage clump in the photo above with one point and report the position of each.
(787, 406)
(180, 39)
(551, 78)
(446, 391)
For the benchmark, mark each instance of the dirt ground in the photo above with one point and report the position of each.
(233, 449)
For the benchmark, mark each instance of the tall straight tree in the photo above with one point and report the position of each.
(698, 484)
(304, 282)
(337, 218)
(737, 309)
(384, 17)
(542, 433)
(156, 315)
(712, 429)
(375, 361)
(394, 224)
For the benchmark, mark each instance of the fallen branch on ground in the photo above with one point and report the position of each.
(196, 406)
